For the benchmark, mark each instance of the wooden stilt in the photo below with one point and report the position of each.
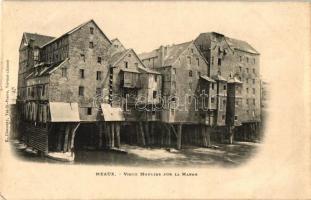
(208, 136)
(147, 135)
(169, 137)
(231, 134)
(65, 147)
(108, 134)
(100, 135)
(151, 133)
(117, 134)
(73, 137)
(179, 132)
(142, 134)
(112, 144)
(60, 138)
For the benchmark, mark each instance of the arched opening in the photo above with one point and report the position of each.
(86, 137)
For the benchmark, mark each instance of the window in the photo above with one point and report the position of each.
(253, 81)
(191, 50)
(174, 70)
(43, 90)
(64, 72)
(247, 70)
(98, 91)
(254, 91)
(190, 73)
(225, 87)
(212, 60)
(129, 55)
(246, 90)
(224, 102)
(81, 73)
(126, 64)
(92, 30)
(189, 60)
(89, 111)
(190, 85)
(254, 101)
(247, 59)
(247, 101)
(240, 58)
(212, 100)
(98, 75)
(240, 69)
(99, 59)
(219, 62)
(154, 94)
(223, 117)
(81, 91)
(235, 117)
(91, 45)
(83, 57)
(254, 61)
(189, 99)
(212, 86)
(254, 71)
(198, 61)
(155, 78)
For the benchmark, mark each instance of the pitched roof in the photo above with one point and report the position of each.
(147, 55)
(240, 45)
(233, 43)
(173, 53)
(234, 80)
(115, 58)
(207, 78)
(38, 39)
(132, 70)
(219, 78)
(74, 30)
(46, 69)
(149, 71)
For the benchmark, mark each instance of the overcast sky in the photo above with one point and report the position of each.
(277, 30)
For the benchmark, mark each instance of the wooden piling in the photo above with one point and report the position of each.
(117, 134)
(112, 130)
(142, 134)
(151, 133)
(179, 133)
(67, 129)
(100, 135)
(147, 135)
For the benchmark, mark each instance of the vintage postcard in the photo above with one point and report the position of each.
(155, 100)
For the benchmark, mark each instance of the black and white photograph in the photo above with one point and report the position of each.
(177, 92)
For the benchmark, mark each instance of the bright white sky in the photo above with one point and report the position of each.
(276, 30)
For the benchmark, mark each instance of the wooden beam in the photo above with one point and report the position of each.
(117, 133)
(67, 130)
(112, 125)
(73, 137)
(100, 135)
(179, 132)
(142, 134)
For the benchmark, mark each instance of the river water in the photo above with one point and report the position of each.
(189, 156)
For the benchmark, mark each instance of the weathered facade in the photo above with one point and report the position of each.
(82, 89)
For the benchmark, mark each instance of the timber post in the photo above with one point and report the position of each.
(100, 135)
(179, 132)
(65, 147)
(117, 134)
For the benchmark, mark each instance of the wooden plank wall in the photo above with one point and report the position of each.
(37, 137)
